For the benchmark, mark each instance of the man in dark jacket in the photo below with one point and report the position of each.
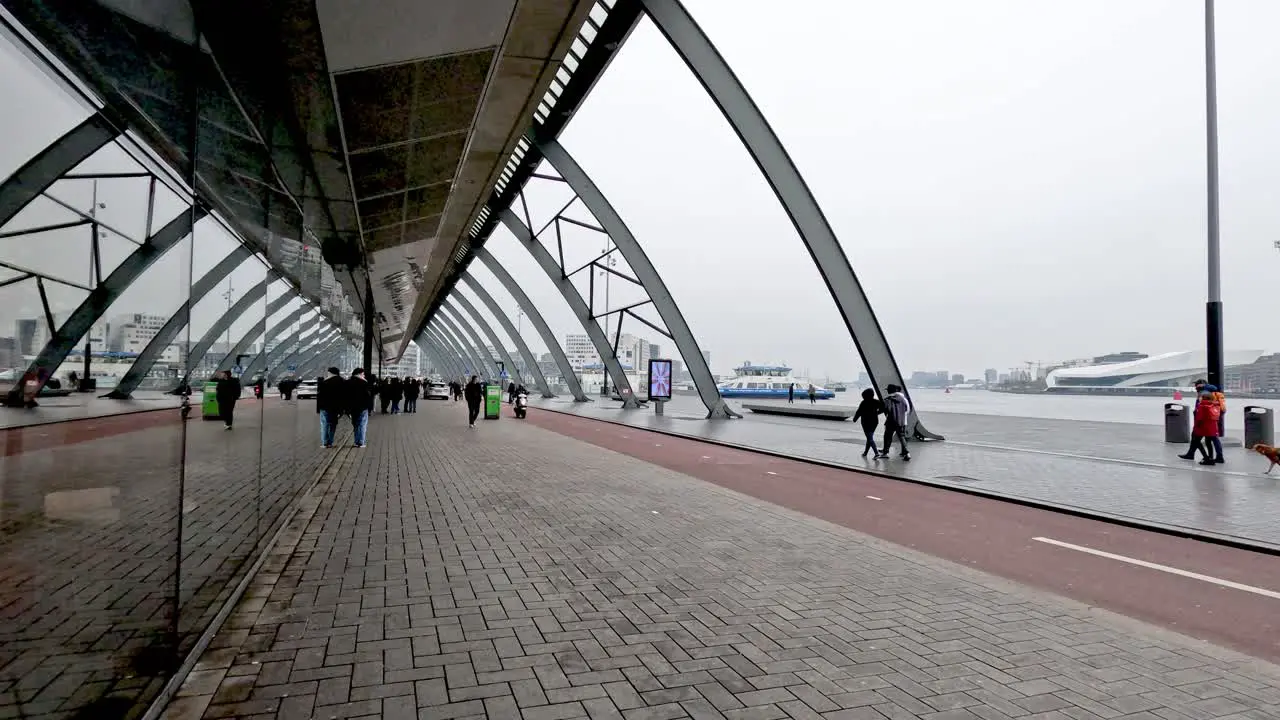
(331, 404)
(359, 404)
(412, 389)
(227, 393)
(474, 393)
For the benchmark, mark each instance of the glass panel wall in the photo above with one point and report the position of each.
(137, 483)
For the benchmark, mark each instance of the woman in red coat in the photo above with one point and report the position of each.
(1204, 430)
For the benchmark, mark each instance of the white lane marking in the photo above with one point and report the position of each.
(1163, 568)
(706, 457)
(873, 497)
(770, 472)
(657, 444)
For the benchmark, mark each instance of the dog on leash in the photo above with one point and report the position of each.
(1269, 453)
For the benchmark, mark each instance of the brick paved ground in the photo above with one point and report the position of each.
(1151, 485)
(510, 572)
(88, 540)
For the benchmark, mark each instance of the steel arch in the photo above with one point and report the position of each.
(462, 305)
(313, 344)
(470, 334)
(447, 329)
(608, 355)
(55, 160)
(718, 79)
(256, 293)
(314, 365)
(107, 292)
(264, 361)
(446, 366)
(259, 329)
(178, 320)
(548, 338)
(529, 359)
(460, 360)
(663, 302)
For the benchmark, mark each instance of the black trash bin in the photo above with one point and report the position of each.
(1177, 423)
(1259, 426)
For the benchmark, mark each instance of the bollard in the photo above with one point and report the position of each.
(1259, 426)
(1177, 423)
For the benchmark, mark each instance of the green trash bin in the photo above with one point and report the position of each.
(492, 401)
(209, 402)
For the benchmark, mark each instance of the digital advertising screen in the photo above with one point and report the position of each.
(659, 379)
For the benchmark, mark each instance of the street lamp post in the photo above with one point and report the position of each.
(1213, 307)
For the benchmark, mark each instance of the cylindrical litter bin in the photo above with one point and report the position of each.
(1259, 426)
(1177, 423)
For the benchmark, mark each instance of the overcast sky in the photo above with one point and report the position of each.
(1012, 181)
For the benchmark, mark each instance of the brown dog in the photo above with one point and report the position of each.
(1269, 453)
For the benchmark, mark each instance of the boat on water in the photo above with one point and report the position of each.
(768, 381)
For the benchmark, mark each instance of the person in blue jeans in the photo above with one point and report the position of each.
(359, 404)
(869, 412)
(331, 404)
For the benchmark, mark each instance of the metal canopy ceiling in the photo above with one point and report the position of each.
(376, 130)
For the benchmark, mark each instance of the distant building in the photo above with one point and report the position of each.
(957, 379)
(1120, 357)
(131, 333)
(580, 351)
(409, 364)
(992, 376)
(1260, 376)
(32, 334)
(1153, 374)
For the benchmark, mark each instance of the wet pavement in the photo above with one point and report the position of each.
(1109, 469)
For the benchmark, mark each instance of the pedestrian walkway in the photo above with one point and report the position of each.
(510, 572)
(1108, 469)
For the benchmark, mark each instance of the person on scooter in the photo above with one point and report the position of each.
(521, 402)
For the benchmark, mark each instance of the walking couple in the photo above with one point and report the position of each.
(1208, 425)
(336, 396)
(896, 409)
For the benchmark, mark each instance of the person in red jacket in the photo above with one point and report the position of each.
(1204, 431)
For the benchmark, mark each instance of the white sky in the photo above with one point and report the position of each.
(1012, 181)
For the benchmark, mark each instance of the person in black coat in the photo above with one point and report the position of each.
(869, 412)
(227, 393)
(359, 397)
(474, 393)
(331, 404)
(412, 389)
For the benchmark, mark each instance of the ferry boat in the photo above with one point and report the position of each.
(768, 381)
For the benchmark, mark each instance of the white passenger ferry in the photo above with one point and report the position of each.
(768, 381)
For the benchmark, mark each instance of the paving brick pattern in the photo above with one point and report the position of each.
(88, 550)
(509, 572)
(1134, 474)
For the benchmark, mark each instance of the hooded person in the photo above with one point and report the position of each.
(897, 411)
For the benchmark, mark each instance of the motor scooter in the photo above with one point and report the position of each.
(522, 405)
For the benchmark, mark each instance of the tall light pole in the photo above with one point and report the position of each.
(1213, 307)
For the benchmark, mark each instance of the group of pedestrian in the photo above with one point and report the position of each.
(392, 391)
(813, 393)
(337, 396)
(1208, 424)
(896, 409)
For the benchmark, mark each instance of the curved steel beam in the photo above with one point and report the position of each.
(604, 348)
(530, 360)
(612, 222)
(441, 359)
(462, 305)
(259, 330)
(314, 365)
(256, 293)
(452, 350)
(709, 67)
(544, 331)
(309, 346)
(151, 353)
(107, 292)
(450, 333)
(264, 361)
(57, 159)
(485, 356)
